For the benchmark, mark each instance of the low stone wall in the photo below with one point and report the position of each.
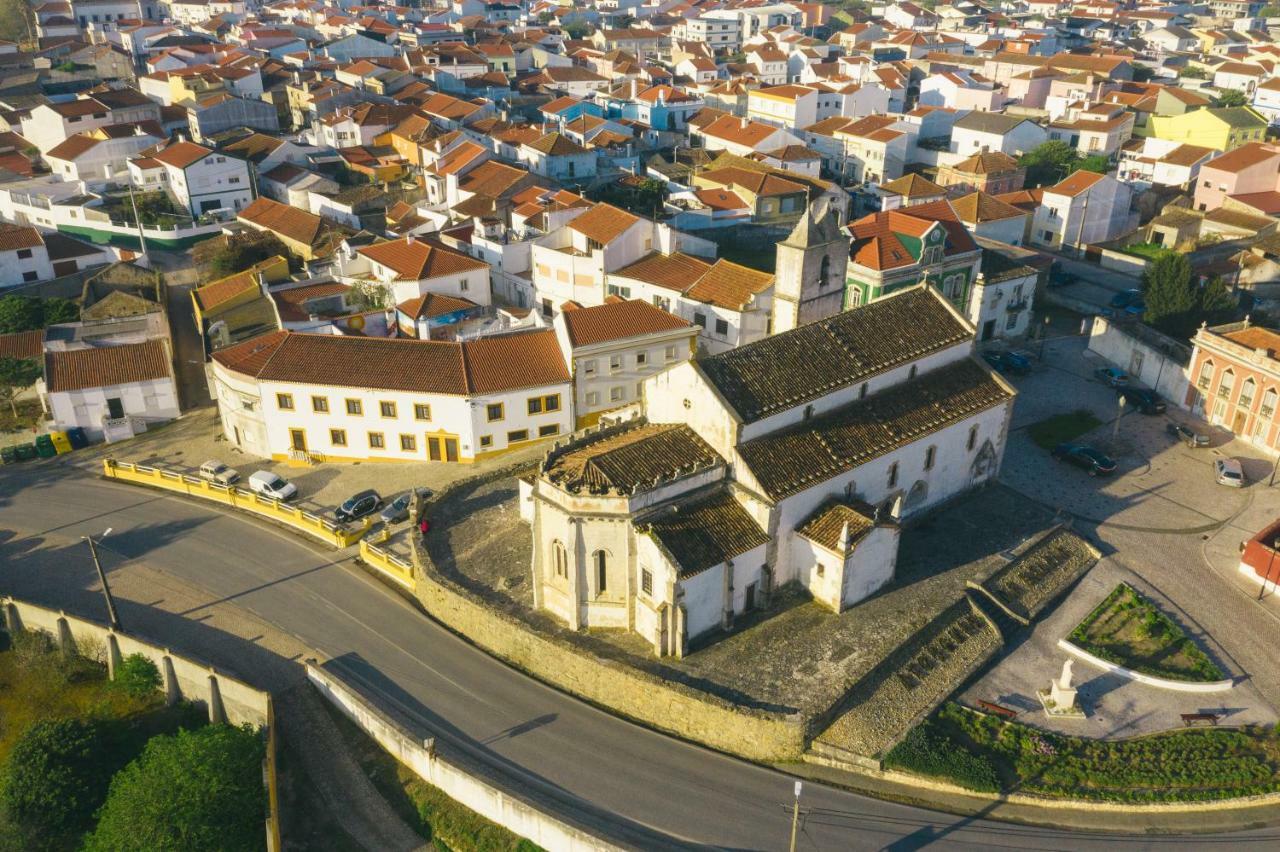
(420, 755)
(225, 698)
(1149, 680)
(626, 691)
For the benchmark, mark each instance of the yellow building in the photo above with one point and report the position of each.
(238, 305)
(1221, 129)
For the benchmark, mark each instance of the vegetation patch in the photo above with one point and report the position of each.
(1127, 629)
(1201, 764)
(1150, 251)
(446, 823)
(1060, 428)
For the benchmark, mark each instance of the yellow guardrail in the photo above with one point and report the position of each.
(393, 568)
(238, 498)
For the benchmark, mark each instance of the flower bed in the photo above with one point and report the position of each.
(1128, 630)
(1182, 766)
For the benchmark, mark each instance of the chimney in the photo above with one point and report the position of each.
(745, 122)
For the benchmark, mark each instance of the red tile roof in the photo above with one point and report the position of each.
(618, 320)
(105, 366)
(415, 260)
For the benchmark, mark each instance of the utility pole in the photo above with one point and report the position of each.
(142, 240)
(102, 578)
(1115, 435)
(795, 816)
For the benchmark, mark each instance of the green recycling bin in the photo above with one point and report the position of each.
(25, 452)
(44, 447)
(8, 455)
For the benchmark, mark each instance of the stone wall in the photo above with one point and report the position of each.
(667, 706)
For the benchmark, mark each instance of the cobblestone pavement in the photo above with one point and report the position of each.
(1164, 525)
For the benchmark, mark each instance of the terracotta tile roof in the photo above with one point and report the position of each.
(980, 207)
(415, 260)
(674, 271)
(182, 154)
(215, 293)
(14, 237)
(1256, 337)
(105, 366)
(837, 519)
(629, 459)
(292, 303)
(1075, 183)
(913, 186)
(741, 131)
(73, 146)
(603, 223)
(433, 305)
(987, 163)
(617, 321)
(704, 532)
(720, 199)
(792, 460)
(290, 222)
(1239, 159)
(758, 183)
(487, 365)
(790, 369)
(729, 285)
(556, 145)
(876, 245)
(492, 179)
(22, 344)
(1186, 155)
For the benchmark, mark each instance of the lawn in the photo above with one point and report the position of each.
(1148, 250)
(1060, 428)
(446, 823)
(984, 753)
(1128, 630)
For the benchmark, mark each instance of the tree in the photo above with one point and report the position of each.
(199, 790)
(1099, 163)
(1214, 302)
(577, 30)
(16, 375)
(1230, 98)
(1170, 299)
(137, 676)
(57, 775)
(1143, 73)
(1048, 163)
(59, 310)
(20, 313)
(225, 256)
(1193, 72)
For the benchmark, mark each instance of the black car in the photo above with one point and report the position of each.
(1008, 362)
(1187, 435)
(359, 505)
(1145, 401)
(1084, 456)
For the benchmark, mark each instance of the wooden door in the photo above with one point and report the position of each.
(451, 449)
(298, 439)
(434, 449)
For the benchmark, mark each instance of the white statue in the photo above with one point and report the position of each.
(1064, 682)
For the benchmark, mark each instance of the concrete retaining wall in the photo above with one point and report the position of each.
(1119, 261)
(1161, 363)
(1149, 680)
(420, 755)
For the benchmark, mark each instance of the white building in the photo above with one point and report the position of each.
(784, 461)
(198, 178)
(335, 398)
(612, 348)
(411, 267)
(1001, 301)
(1085, 208)
(109, 390)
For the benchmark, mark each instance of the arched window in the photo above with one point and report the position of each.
(1226, 384)
(1206, 375)
(560, 559)
(1247, 390)
(824, 272)
(1268, 403)
(601, 563)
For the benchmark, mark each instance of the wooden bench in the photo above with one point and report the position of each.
(1189, 719)
(1002, 712)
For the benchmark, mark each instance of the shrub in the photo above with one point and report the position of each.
(931, 753)
(198, 790)
(137, 676)
(57, 776)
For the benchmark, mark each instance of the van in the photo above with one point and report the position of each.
(272, 485)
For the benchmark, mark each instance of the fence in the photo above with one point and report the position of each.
(516, 815)
(226, 698)
(237, 498)
(393, 568)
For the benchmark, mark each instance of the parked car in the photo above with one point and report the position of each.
(1187, 435)
(359, 505)
(1007, 362)
(1124, 299)
(1096, 462)
(1228, 472)
(398, 509)
(272, 485)
(217, 472)
(1112, 377)
(1145, 401)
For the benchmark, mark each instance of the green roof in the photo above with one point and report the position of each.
(1238, 116)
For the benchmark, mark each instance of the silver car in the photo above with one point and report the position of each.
(219, 473)
(1228, 472)
(398, 509)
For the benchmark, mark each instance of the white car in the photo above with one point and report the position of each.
(217, 472)
(272, 485)
(1229, 472)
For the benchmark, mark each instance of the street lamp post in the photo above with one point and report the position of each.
(795, 816)
(113, 618)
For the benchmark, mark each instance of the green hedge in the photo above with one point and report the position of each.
(926, 753)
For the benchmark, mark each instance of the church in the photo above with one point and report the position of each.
(787, 460)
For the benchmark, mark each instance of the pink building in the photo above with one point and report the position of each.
(1249, 169)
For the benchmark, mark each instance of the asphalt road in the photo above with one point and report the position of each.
(658, 791)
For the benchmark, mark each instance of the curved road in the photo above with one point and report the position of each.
(588, 760)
